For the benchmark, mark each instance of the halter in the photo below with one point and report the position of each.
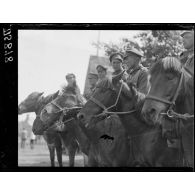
(106, 109)
(170, 113)
(63, 109)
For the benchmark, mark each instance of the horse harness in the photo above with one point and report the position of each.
(170, 112)
(106, 110)
(173, 124)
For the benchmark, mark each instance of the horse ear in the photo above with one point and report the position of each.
(118, 77)
(41, 93)
(56, 94)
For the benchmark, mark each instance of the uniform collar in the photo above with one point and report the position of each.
(131, 70)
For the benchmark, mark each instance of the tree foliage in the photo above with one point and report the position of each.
(154, 44)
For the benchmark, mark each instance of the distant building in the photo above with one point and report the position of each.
(93, 62)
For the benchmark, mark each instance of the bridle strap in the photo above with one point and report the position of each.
(94, 100)
(105, 110)
(171, 103)
(118, 96)
(178, 88)
(158, 99)
(58, 106)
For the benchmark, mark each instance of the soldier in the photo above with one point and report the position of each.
(93, 78)
(116, 60)
(137, 74)
(102, 71)
(72, 84)
(187, 60)
(187, 57)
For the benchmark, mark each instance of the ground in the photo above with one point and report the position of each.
(39, 157)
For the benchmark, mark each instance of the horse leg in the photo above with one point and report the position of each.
(92, 162)
(86, 160)
(52, 155)
(59, 154)
(91, 159)
(71, 152)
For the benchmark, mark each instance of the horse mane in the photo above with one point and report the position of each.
(168, 64)
(50, 97)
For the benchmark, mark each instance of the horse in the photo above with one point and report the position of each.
(102, 150)
(55, 137)
(33, 103)
(170, 102)
(147, 146)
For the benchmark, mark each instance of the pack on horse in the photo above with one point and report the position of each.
(101, 151)
(34, 103)
(147, 146)
(170, 102)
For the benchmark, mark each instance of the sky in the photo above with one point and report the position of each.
(46, 56)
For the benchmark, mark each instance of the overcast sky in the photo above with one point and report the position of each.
(46, 56)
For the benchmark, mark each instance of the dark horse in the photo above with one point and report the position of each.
(170, 102)
(34, 103)
(101, 149)
(147, 146)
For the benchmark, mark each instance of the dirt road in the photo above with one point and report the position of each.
(39, 157)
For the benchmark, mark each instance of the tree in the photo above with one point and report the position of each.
(155, 44)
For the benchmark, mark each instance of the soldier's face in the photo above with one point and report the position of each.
(101, 73)
(71, 80)
(93, 80)
(130, 61)
(116, 64)
(188, 40)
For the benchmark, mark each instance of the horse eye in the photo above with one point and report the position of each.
(170, 76)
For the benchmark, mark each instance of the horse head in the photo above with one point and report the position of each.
(30, 103)
(167, 81)
(61, 104)
(107, 96)
(38, 126)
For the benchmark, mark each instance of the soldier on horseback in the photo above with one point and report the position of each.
(93, 78)
(137, 74)
(116, 60)
(72, 85)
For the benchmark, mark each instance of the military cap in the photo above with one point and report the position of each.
(91, 74)
(70, 75)
(103, 67)
(117, 56)
(185, 32)
(134, 51)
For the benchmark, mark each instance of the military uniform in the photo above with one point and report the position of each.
(187, 60)
(187, 128)
(138, 76)
(90, 93)
(187, 57)
(92, 88)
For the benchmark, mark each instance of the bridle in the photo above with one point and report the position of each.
(64, 111)
(170, 113)
(105, 110)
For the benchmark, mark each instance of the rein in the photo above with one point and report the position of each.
(65, 109)
(170, 113)
(106, 110)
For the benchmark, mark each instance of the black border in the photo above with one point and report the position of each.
(9, 93)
